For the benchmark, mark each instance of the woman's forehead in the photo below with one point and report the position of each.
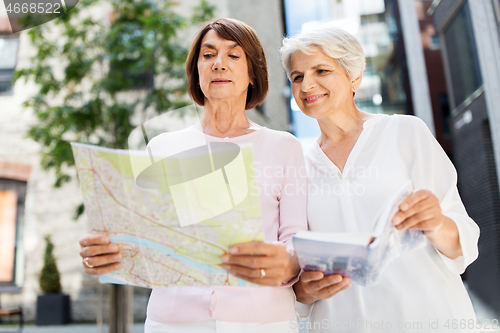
(211, 38)
(310, 59)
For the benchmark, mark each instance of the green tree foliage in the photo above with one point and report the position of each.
(86, 66)
(50, 280)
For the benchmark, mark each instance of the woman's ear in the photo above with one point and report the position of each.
(355, 84)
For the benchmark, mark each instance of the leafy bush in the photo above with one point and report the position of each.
(50, 280)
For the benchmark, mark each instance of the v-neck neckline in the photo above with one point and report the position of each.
(353, 154)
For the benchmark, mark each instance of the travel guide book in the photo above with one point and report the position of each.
(360, 256)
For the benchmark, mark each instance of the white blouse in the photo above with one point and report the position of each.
(422, 290)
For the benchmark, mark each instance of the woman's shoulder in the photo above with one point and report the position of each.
(170, 143)
(407, 121)
(403, 124)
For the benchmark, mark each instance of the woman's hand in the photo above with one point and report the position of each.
(314, 286)
(421, 211)
(261, 263)
(100, 256)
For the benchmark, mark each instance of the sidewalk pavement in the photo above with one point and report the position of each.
(72, 328)
(485, 315)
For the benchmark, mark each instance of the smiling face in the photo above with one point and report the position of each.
(223, 69)
(319, 85)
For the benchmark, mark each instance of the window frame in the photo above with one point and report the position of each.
(9, 72)
(20, 187)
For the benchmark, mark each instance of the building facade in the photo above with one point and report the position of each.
(471, 48)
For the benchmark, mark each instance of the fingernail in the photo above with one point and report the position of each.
(225, 258)
(396, 220)
(118, 257)
(104, 239)
(337, 279)
(114, 247)
(404, 206)
(120, 265)
(233, 250)
(226, 267)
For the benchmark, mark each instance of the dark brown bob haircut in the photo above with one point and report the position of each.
(244, 36)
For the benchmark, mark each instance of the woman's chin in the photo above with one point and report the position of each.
(312, 112)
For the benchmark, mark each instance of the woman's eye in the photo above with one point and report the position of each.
(297, 78)
(322, 71)
(234, 56)
(208, 56)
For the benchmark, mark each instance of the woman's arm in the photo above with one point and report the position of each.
(421, 211)
(437, 209)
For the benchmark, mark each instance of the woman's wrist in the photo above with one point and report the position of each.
(293, 267)
(446, 239)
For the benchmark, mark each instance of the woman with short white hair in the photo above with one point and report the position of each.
(420, 291)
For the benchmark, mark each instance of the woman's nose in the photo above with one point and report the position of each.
(307, 83)
(219, 64)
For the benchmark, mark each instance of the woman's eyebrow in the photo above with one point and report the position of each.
(207, 45)
(314, 67)
(210, 46)
(321, 65)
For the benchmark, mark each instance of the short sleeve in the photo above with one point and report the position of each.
(431, 169)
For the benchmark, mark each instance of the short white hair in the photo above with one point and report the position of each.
(336, 43)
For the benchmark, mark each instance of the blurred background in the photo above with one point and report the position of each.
(95, 73)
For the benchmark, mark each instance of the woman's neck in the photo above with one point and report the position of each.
(339, 125)
(224, 120)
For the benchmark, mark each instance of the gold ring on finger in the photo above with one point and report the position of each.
(262, 273)
(86, 262)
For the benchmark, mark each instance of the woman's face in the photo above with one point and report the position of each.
(319, 84)
(223, 69)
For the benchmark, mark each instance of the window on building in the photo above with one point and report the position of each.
(444, 107)
(435, 42)
(462, 56)
(8, 209)
(8, 60)
(496, 8)
(12, 195)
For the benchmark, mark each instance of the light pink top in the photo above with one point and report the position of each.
(280, 172)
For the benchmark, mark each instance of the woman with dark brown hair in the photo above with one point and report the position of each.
(227, 74)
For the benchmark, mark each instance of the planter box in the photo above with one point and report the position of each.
(53, 309)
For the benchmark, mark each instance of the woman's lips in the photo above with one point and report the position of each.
(220, 81)
(313, 98)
